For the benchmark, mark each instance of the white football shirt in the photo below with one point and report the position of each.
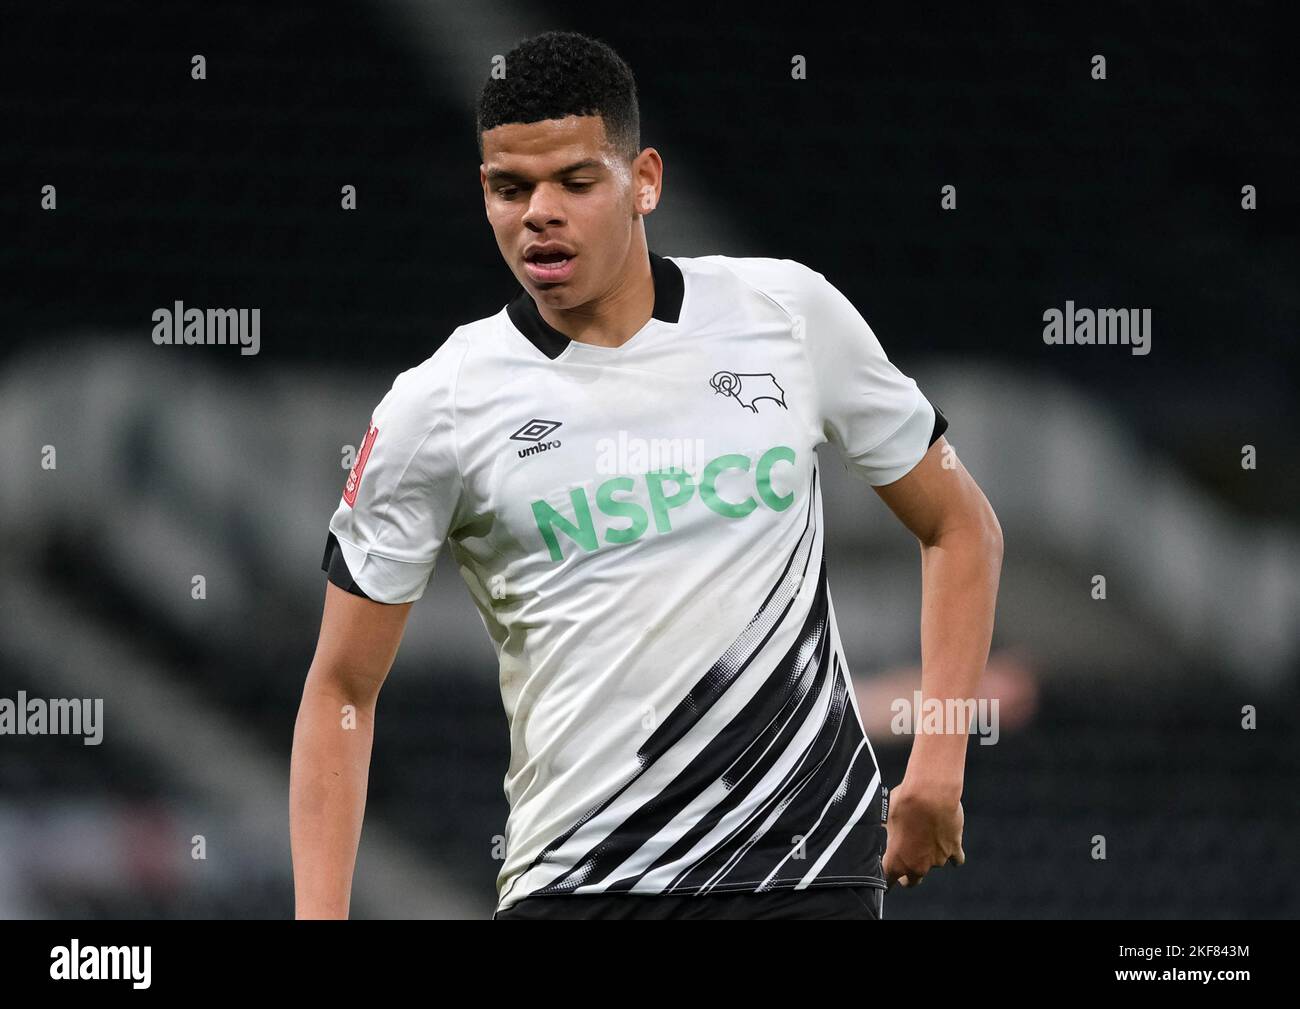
(641, 530)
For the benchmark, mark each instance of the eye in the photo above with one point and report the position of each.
(581, 187)
(505, 192)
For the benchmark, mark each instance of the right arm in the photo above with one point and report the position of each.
(398, 507)
(330, 765)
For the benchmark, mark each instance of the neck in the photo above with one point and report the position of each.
(612, 318)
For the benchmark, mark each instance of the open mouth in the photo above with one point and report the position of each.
(549, 258)
(549, 266)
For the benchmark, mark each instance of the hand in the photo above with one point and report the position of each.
(924, 831)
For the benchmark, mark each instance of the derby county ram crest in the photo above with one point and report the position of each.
(747, 390)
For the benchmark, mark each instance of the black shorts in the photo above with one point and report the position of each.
(855, 903)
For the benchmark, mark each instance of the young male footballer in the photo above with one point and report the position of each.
(622, 464)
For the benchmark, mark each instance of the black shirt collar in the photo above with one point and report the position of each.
(669, 290)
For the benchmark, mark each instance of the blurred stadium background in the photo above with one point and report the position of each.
(1122, 717)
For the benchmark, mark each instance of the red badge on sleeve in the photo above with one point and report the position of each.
(354, 477)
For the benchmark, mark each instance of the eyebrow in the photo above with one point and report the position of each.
(502, 175)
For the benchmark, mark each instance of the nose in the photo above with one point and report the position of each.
(545, 208)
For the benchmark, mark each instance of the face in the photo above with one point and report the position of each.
(563, 206)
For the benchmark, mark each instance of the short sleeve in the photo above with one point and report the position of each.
(404, 490)
(875, 416)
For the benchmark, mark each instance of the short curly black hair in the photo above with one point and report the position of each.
(558, 74)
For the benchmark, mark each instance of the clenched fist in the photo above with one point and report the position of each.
(924, 831)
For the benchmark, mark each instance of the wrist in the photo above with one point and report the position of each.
(937, 766)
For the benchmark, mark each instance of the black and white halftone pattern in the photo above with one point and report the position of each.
(761, 776)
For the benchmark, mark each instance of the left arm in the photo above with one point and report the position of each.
(961, 560)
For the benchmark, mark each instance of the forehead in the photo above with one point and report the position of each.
(544, 144)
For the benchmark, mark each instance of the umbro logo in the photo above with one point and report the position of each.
(749, 389)
(534, 431)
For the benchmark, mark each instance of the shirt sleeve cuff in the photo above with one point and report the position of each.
(380, 579)
(896, 456)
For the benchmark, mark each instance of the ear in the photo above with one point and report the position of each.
(647, 180)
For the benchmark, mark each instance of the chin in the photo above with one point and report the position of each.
(561, 297)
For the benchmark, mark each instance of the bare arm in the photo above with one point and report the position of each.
(330, 765)
(961, 561)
